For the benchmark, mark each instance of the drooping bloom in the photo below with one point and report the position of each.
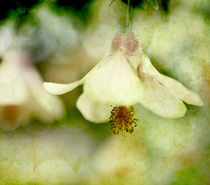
(22, 95)
(123, 78)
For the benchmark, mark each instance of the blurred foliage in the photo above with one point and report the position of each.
(75, 4)
(17, 9)
(162, 4)
(188, 176)
(21, 8)
(80, 8)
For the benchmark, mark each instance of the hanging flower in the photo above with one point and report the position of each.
(123, 78)
(22, 95)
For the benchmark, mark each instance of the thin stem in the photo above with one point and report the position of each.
(128, 17)
(128, 25)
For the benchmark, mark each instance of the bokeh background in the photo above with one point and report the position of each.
(65, 39)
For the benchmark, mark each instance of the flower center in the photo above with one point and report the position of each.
(122, 119)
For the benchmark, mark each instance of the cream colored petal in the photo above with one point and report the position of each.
(14, 92)
(58, 89)
(154, 95)
(158, 99)
(93, 111)
(13, 89)
(13, 65)
(174, 87)
(8, 72)
(146, 67)
(47, 107)
(179, 90)
(113, 81)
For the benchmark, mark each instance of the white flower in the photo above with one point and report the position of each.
(123, 78)
(22, 95)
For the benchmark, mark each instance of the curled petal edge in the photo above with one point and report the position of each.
(58, 89)
(179, 90)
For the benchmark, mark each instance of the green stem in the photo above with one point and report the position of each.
(128, 17)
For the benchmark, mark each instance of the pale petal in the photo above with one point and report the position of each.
(174, 87)
(14, 92)
(159, 100)
(154, 95)
(12, 85)
(13, 65)
(113, 81)
(58, 89)
(8, 72)
(45, 106)
(179, 90)
(93, 111)
(146, 68)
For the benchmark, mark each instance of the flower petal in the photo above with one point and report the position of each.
(12, 85)
(14, 92)
(58, 89)
(154, 95)
(113, 81)
(173, 86)
(93, 111)
(146, 68)
(45, 106)
(159, 100)
(179, 90)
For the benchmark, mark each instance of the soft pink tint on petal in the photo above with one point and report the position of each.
(127, 42)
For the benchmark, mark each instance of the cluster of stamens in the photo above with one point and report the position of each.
(122, 119)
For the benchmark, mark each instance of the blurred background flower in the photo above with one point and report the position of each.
(63, 40)
(22, 95)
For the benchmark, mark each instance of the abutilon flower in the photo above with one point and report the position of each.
(22, 95)
(122, 79)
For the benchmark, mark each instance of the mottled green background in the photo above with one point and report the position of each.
(66, 42)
